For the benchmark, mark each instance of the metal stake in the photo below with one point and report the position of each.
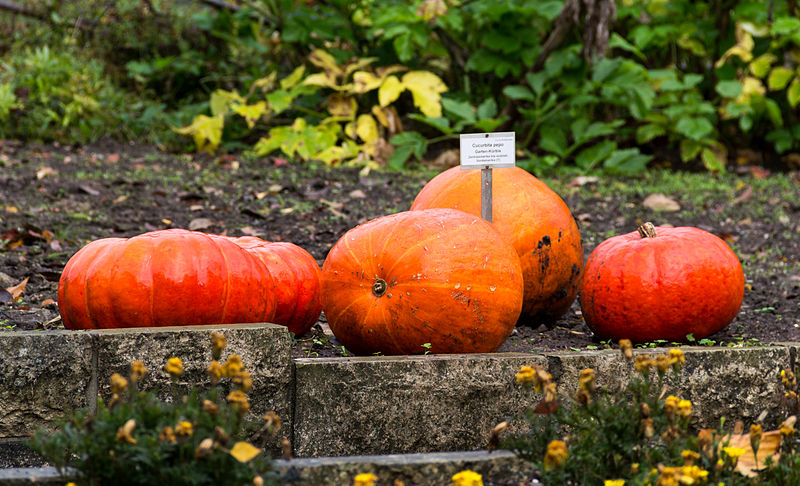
(486, 193)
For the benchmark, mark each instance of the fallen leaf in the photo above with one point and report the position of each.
(768, 447)
(44, 172)
(89, 190)
(744, 196)
(250, 231)
(582, 181)
(200, 224)
(120, 199)
(275, 188)
(277, 162)
(17, 290)
(12, 209)
(196, 207)
(47, 302)
(244, 451)
(660, 202)
(167, 221)
(55, 245)
(759, 172)
(112, 158)
(357, 194)
(260, 195)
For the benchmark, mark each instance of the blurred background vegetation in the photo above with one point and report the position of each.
(590, 85)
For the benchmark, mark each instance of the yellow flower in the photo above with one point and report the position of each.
(467, 478)
(790, 395)
(233, 365)
(204, 448)
(676, 358)
(648, 429)
(184, 428)
(733, 452)
(755, 436)
(174, 367)
(644, 363)
(671, 406)
(692, 474)
(242, 378)
(124, 432)
(167, 434)
(525, 375)
(626, 347)
(685, 408)
(210, 407)
(258, 481)
(138, 371)
(550, 392)
(118, 383)
(365, 479)
(215, 372)
(662, 363)
(555, 455)
(787, 427)
(689, 457)
(614, 482)
(238, 401)
(788, 379)
(218, 343)
(586, 380)
(272, 421)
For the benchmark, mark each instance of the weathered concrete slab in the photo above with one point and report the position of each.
(385, 404)
(43, 376)
(737, 383)
(264, 348)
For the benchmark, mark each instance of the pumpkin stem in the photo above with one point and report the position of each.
(647, 230)
(379, 287)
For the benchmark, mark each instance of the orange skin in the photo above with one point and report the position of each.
(164, 278)
(439, 276)
(684, 280)
(534, 220)
(297, 278)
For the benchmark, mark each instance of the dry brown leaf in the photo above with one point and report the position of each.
(582, 181)
(660, 202)
(744, 196)
(112, 158)
(250, 231)
(357, 194)
(17, 290)
(47, 302)
(200, 224)
(768, 447)
(44, 172)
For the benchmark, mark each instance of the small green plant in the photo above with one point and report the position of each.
(427, 347)
(137, 439)
(644, 435)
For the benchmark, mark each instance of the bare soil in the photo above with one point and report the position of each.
(54, 200)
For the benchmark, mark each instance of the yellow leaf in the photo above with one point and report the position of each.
(323, 60)
(221, 100)
(358, 64)
(384, 71)
(244, 451)
(206, 130)
(299, 124)
(291, 80)
(793, 92)
(390, 90)
(752, 86)
(367, 129)
(251, 113)
(364, 81)
(267, 82)
(321, 79)
(426, 88)
(380, 115)
(431, 9)
(350, 130)
(760, 65)
(742, 49)
(341, 105)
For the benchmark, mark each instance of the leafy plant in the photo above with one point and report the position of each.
(137, 439)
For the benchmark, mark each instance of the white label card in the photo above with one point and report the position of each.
(481, 150)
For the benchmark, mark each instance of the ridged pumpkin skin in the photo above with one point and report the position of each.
(534, 220)
(164, 278)
(297, 281)
(683, 280)
(440, 276)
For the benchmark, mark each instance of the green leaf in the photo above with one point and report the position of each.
(404, 47)
(694, 128)
(442, 124)
(487, 109)
(760, 65)
(489, 124)
(779, 78)
(619, 42)
(597, 129)
(711, 162)
(690, 149)
(793, 93)
(591, 156)
(729, 89)
(499, 42)
(553, 140)
(773, 112)
(627, 161)
(405, 144)
(518, 92)
(604, 69)
(399, 157)
(279, 100)
(536, 80)
(648, 132)
(460, 109)
(785, 25)
(781, 139)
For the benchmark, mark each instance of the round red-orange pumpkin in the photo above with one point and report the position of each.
(164, 278)
(534, 220)
(297, 281)
(661, 283)
(440, 278)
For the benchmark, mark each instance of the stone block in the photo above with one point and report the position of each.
(44, 376)
(264, 348)
(386, 404)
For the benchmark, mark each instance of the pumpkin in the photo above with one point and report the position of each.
(534, 220)
(297, 281)
(164, 278)
(440, 278)
(661, 283)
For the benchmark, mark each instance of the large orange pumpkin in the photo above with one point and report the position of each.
(440, 278)
(661, 283)
(164, 278)
(534, 220)
(297, 281)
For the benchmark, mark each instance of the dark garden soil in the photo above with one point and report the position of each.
(53, 200)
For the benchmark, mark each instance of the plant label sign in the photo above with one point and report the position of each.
(487, 151)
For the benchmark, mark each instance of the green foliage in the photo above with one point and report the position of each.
(644, 435)
(138, 439)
